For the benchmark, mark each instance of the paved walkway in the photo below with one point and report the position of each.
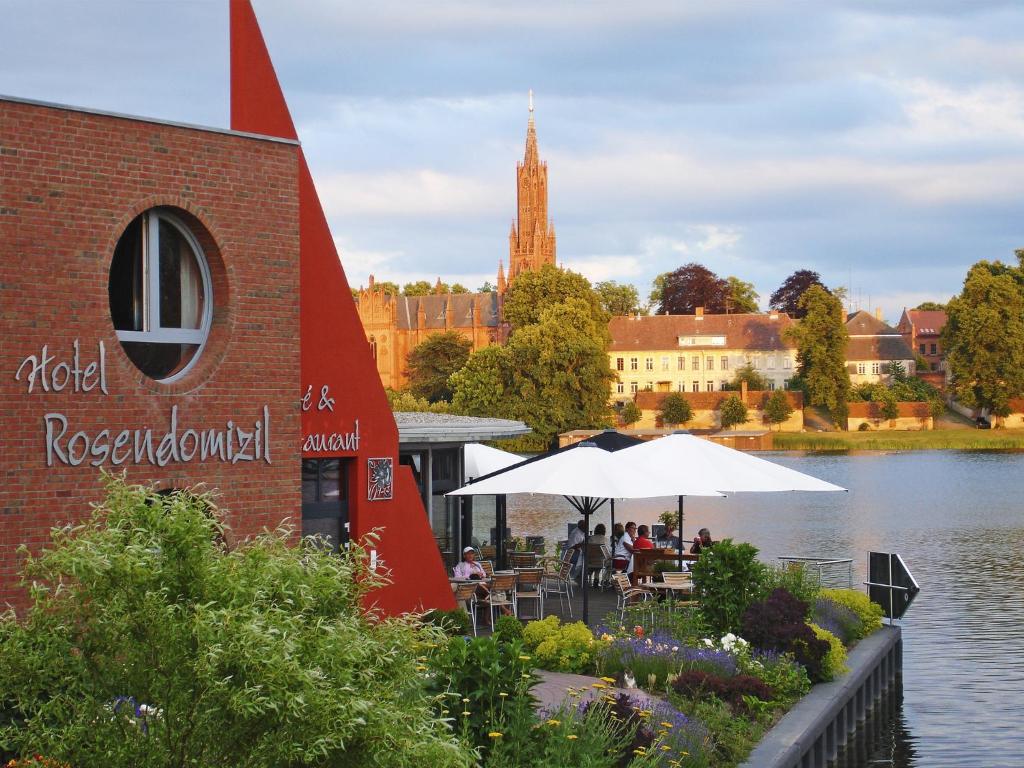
(554, 688)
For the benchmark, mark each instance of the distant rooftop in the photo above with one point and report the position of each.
(416, 427)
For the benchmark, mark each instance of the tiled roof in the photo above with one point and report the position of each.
(437, 305)
(878, 348)
(747, 331)
(863, 323)
(927, 322)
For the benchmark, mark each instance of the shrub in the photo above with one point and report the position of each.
(837, 619)
(508, 628)
(561, 648)
(787, 679)
(676, 409)
(870, 613)
(732, 412)
(728, 579)
(693, 683)
(777, 624)
(453, 622)
(685, 627)
(833, 664)
(650, 659)
(795, 578)
(479, 682)
(732, 737)
(257, 655)
(863, 427)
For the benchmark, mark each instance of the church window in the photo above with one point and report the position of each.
(373, 347)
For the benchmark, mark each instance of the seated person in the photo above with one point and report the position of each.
(620, 554)
(670, 538)
(701, 541)
(643, 538)
(599, 536)
(574, 547)
(469, 568)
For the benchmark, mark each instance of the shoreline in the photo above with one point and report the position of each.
(931, 440)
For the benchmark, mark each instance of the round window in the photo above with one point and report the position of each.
(160, 295)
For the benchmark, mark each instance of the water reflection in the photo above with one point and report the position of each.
(957, 519)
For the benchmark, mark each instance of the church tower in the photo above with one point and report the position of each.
(531, 243)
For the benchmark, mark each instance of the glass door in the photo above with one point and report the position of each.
(325, 500)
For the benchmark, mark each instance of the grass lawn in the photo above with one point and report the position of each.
(957, 439)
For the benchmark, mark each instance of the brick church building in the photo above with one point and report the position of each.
(172, 307)
(395, 325)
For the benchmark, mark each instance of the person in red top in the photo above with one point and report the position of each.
(643, 540)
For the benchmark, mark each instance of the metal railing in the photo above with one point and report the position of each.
(836, 573)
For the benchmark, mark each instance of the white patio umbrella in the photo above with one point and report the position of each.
(682, 457)
(587, 477)
(482, 460)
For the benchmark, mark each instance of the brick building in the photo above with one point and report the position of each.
(395, 325)
(922, 330)
(873, 347)
(172, 306)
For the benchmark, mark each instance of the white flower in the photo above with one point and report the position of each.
(708, 643)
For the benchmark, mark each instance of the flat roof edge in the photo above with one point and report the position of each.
(143, 119)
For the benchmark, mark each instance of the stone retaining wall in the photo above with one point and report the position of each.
(811, 734)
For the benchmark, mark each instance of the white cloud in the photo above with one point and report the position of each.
(359, 263)
(600, 268)
(939, 113)
(417, 192)
(717, 238)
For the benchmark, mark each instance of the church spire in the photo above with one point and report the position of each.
(531, 158)
(532, 239)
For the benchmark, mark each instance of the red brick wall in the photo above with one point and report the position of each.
(71, 182)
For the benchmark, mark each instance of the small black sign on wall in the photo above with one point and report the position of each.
(890, 583)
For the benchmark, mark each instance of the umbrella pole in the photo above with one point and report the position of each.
(680, 533)
(612, 532)
(586, 546)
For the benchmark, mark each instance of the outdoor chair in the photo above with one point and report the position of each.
(522, 559)
(529, 587)
(599, 564)
(466, 594)
(488, 552)
(502, 595)
(628, 595)
(683, 582)
(488, 567)
(561, 584)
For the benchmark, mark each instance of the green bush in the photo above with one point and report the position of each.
(686, 627)
(870, 613)
(256, 656)
(727, 578)
(795, 578)
(481, 683)
(787, 679)
(453, 622)
(834, 663)
(508, 628)
(561, 647)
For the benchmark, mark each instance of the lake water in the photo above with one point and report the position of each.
(957, 518)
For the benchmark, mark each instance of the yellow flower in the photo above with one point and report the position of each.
(494, 735)
(572, 737)
(608, 679)
(666, 725)
(666, 747)
(553, 722)
(599, 686)
(465, 701)
(639, 751)
(465, 713)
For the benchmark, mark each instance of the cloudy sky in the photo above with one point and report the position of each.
(878, 142)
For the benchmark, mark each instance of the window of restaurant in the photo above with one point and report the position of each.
(325, 500)
(160, 294)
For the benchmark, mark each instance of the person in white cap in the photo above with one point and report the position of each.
(469, 568)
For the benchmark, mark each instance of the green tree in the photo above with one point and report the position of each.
(675, 409)
(931, 305)
(387, 286)
(433, 361)
(532, 293)
(418, 288)
(777, 408)
(458, 288)
(742, 296)
(732, 412)
(984, 337)
(657, 291)
(552, 374)
(407, 402)
(888, 405)
(630, 413)
(786, 298)
(258, 655)
(821, 339)
(747, 373)
(486, 287)
(618, 299)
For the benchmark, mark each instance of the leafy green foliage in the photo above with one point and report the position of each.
(255, 656)
(531, 293)
(507, 629)
(487, 287)
(984, 337)
(455, 622)
(457, 288)
(795, 578)
(733, 690)
(402, 401)
(931, 305)
(742, 296)
(833, 664)
(747, 373)
(870, 613)
(618, 299)
(553, 374)
(630, 413)
(432, 362)
(778, 623)
(821, 339)
(727, 579)
(418, 288)
(734, 736)
(777, 408)
(561, 647)
(732, 412)
(787, 679)
(675, 409)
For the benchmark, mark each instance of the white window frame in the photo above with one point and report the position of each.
(649, 364)
(620, 387)
(876, 368)
(861, 369)
(725, 362)
(633, 386)
(153, 332)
